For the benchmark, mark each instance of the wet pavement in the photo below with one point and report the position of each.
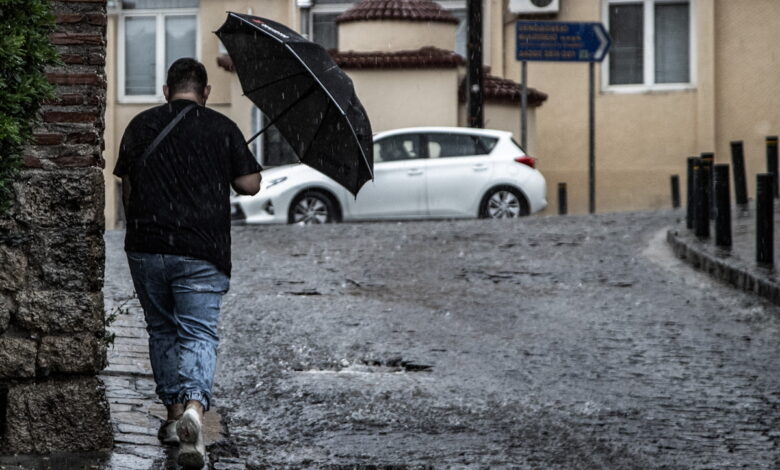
(574, 342)
(556, 343)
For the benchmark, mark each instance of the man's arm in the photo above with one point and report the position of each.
(248, 185)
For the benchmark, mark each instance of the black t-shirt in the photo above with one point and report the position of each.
(180, 196)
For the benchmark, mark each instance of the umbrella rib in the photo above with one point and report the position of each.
(280, 115)
(273, 82)
(335, 103)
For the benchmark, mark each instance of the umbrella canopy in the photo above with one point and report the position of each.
(309, 99)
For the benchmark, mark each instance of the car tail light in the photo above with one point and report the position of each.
(526, 160)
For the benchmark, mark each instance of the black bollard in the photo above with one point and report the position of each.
(701, 211)
(707, 160)
(690, 196)
(562, 199)
(675, 191)
(720, 181)
(771, 162)
(738, 165)
(765, 222)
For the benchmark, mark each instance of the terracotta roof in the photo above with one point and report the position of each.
(496, 89)
(501, 90)
(425, 58)
(398, 10)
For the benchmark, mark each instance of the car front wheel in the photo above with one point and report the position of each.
(312, 207)
(503, 203)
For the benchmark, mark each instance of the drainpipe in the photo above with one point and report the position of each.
(305, 7)
(474, 92)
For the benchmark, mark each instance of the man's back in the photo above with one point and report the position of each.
(179, 201)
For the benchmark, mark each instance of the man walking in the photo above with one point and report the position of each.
(177, 162)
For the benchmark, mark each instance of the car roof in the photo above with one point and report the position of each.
(436, 129)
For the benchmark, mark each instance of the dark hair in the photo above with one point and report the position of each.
(187, 75)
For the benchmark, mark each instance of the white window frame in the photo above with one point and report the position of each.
(325, 9)
(160, 71)
(450, 5)
(649, 84)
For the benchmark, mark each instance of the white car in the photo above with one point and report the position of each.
(419, 173)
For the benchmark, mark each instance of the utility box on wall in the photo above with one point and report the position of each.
(534, 7)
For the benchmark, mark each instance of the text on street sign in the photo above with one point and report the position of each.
(561, 41)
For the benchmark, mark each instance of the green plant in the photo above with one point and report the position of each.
(111, 316)
(25, 51)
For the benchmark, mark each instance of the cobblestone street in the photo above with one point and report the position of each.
(575, 342)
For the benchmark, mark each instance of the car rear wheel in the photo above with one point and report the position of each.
(312, 207)
(503, 202)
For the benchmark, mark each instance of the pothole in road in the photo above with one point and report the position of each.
(393, 365)
(398, 364)
(497, 277)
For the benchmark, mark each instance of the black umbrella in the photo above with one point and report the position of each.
(307, 97)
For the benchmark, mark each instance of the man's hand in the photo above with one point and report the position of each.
(247, 185)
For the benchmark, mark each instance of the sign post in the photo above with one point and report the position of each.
(524, 105)
(564, 42)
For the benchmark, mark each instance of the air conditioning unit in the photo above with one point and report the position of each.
(534, 7)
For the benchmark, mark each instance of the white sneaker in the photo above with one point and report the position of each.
(167, 433)
(192, 449)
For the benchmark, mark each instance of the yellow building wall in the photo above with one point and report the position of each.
(408, 98)
(641, 138)
(747, 62)
(383, 36)
(110, 134)
(506, 117)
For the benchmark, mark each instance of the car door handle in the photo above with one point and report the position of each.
(480, 167)
(414, 172)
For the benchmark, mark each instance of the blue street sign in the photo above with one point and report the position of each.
(558, 41)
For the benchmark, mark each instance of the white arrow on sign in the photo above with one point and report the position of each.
(603, 43)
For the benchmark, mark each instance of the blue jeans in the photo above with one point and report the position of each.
(181, 297)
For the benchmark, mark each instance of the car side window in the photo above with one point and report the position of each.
(442, 145)
(397, 147)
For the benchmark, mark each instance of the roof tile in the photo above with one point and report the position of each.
(399, 10)
(502, 90)
(425, 58)
(496, 89)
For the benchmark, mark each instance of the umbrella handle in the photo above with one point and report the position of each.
(280, 115)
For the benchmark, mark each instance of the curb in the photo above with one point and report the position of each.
(723, 267)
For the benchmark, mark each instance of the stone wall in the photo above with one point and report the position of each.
(52, 258)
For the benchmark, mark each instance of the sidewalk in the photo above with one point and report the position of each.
(135, 413)
(735, 266)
